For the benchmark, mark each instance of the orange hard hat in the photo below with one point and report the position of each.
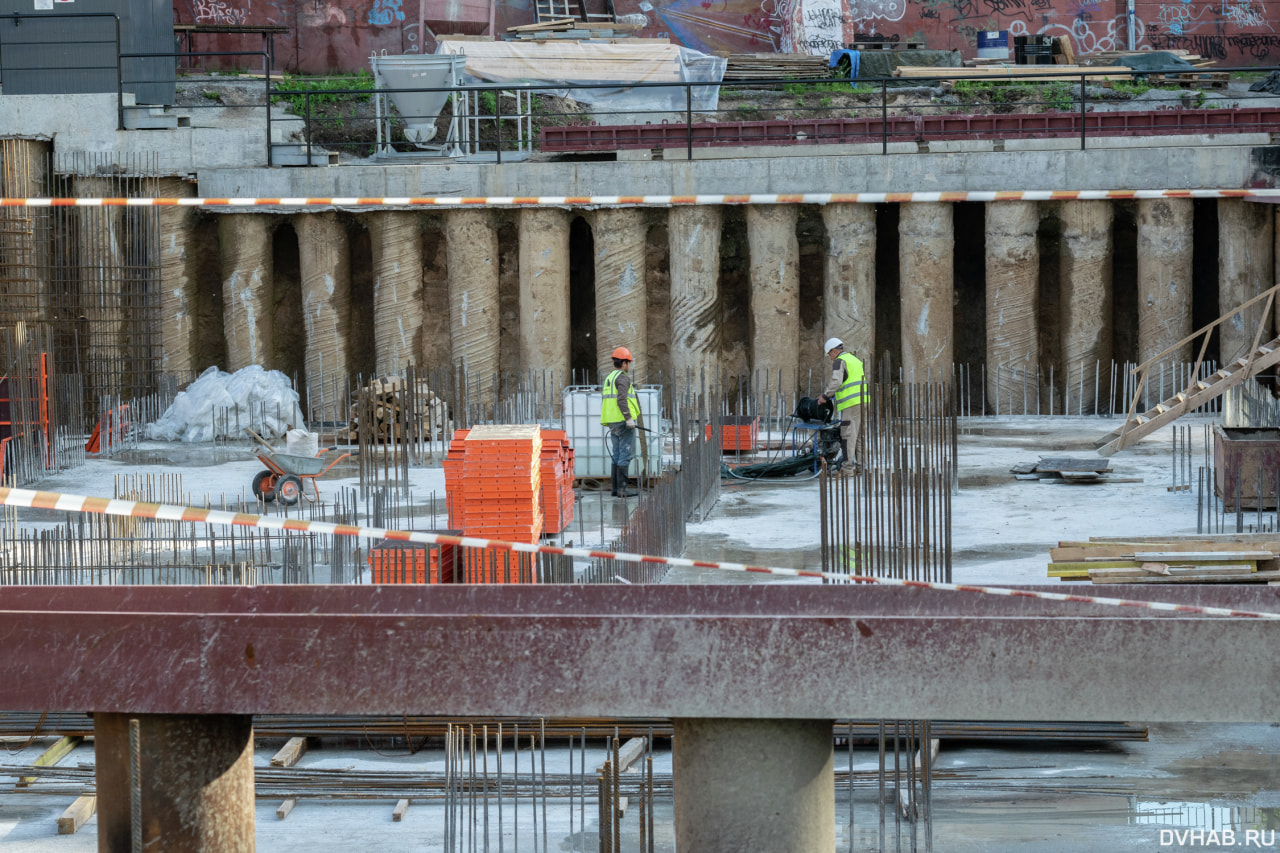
(623, 353)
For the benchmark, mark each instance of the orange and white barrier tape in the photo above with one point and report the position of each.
(650, 200)
(172, 512)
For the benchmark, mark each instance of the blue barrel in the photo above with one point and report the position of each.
(993, 44)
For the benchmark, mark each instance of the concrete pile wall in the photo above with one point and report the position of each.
(490, 291)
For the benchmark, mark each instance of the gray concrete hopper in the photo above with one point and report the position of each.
(418, 109)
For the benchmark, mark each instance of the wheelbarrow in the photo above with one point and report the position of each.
(284, 479)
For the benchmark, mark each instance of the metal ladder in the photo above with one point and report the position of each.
(558, 10)
(1200, 391)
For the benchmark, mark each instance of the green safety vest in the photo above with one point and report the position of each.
(851, 393)
(609, 411)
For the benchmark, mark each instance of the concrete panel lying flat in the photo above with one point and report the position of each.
(779, 652)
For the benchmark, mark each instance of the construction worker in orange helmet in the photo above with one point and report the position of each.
(618, 411)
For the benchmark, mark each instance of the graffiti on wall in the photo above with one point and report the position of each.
(386, 12)
(340, 34)
(219, 12)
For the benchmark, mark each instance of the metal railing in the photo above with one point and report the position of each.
(1057, 104)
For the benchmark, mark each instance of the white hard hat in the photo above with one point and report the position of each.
(832, 343)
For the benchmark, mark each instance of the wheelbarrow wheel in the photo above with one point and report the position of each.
(264, 486)
(288, 489)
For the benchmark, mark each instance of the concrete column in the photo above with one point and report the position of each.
(849, 274)
(325, 260)
(693, 234)
(1245, 269)
(775, 293)
(1084, 287)
(621, 297)
(1164, 286)
(244, 247)
(926, 278)
(471, 242)
(754, 785)
(397, 289)
(179, 281)
(196, 782)
(1013, 305)
(544, 291)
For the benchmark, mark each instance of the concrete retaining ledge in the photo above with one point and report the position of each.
(1190, 166)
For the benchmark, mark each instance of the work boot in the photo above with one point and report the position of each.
(624, 488)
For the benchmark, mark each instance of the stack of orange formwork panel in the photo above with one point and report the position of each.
(557, 481)
(455, 497)
(502, 483)
(739, 433)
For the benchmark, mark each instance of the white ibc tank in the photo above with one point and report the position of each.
(587, 436)
(412, 71)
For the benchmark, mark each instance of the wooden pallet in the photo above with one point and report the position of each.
(887, 45)
(1191, 80)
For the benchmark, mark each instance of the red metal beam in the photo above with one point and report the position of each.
(778, 651)
(907, 128)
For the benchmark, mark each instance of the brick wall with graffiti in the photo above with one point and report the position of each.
(339, 35)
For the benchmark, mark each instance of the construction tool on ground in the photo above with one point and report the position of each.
(1200, 391)
(286, 474)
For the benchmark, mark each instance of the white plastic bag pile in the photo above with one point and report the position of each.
(262, 400)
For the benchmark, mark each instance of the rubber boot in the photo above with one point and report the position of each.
(624, 488)
(613, 479)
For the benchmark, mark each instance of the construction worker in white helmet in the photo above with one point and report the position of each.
(618, 412)
(847, 391)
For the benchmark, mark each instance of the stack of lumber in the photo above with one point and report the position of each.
(557, 481)
(391, 402)
(573, 29)
(1109, 57)
(1209, 559)
(774, 66)
(1023, 73)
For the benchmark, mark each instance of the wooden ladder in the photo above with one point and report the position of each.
(1200, 391)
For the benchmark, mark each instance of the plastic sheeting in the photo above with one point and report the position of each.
(262, 400)
(876, 64)
(561, 62)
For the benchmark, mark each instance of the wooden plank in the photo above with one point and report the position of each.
(282, 811)
(559, 23)
(1210, 577)
(290, 752)
(1177, 571)
(1022, 72)
(1204, 556)
(76, 814)
(1064, 44)
(52, 756)
(627, 754)
(397, 814)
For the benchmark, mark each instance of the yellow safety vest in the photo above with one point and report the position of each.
(851, 393)
(609, 411)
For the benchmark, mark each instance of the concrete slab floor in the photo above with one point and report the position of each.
(1055, 797)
